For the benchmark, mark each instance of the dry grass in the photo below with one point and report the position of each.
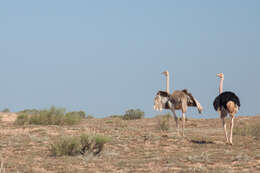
(2, 167)
(135, 146)
(163, 122)
(75, 145)
(248, 129)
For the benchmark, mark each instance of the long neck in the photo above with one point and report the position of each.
(167, 84)
(221, 85)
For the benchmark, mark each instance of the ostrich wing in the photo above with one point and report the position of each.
(163, 94)
(192, 101)
(161, 100)
(222, 99)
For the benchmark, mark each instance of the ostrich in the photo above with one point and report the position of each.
(226, 103)
(179, 100)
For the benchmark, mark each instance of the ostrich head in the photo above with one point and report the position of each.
(166, 73)
(220, 75)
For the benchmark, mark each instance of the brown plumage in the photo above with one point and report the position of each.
(178, 100)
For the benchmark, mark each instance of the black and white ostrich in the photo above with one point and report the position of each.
(179, 100)
(226, 103)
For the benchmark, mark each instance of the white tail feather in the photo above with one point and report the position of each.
(200, 108)
(157, 103)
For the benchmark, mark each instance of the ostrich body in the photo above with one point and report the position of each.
(178, 100)
(226, 103)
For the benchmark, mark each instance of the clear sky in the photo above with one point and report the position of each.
(105, 57)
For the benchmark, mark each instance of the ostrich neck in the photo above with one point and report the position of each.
(167, 84)
(221, 85)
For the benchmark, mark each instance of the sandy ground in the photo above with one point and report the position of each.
(136, 146)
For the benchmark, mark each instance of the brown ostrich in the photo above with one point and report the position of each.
(178, 100)
(226, 103)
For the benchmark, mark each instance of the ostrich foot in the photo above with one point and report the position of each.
(230, 142)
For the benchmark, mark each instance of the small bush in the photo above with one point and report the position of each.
(86, 143)
(133, 114)
(248, 130)
(99, 143)
(22, 119)
(89, 117)
(6, 110)
(29, 111)
(78, 145)
(52, 116)
(116, 116)
(77, 113)
(164, 122)
(66, 146)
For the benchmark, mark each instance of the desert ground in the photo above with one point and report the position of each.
(135, 146)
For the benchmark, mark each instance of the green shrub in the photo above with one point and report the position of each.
(82, 144)
(133, 114)
(52, 116)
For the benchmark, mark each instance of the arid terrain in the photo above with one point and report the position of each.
(135, 146)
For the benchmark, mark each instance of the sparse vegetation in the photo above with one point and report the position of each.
(246, 129)
(22, 119)
(67, 145)
(99, 142)
(52, 116)
(71, 145)
(133, 114)
(164, 122)
(89, 117)
(77, 113)
(137, 146)
(116, 116)
(29, 111)
(6, 110)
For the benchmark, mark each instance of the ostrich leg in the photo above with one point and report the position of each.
(231, 128)
(225, 128)
(183, 123)
(176, 120)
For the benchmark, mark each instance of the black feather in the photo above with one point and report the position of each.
(190, 99)
(163, 94)
(222, 99)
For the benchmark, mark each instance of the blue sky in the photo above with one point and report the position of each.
(105, 57)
